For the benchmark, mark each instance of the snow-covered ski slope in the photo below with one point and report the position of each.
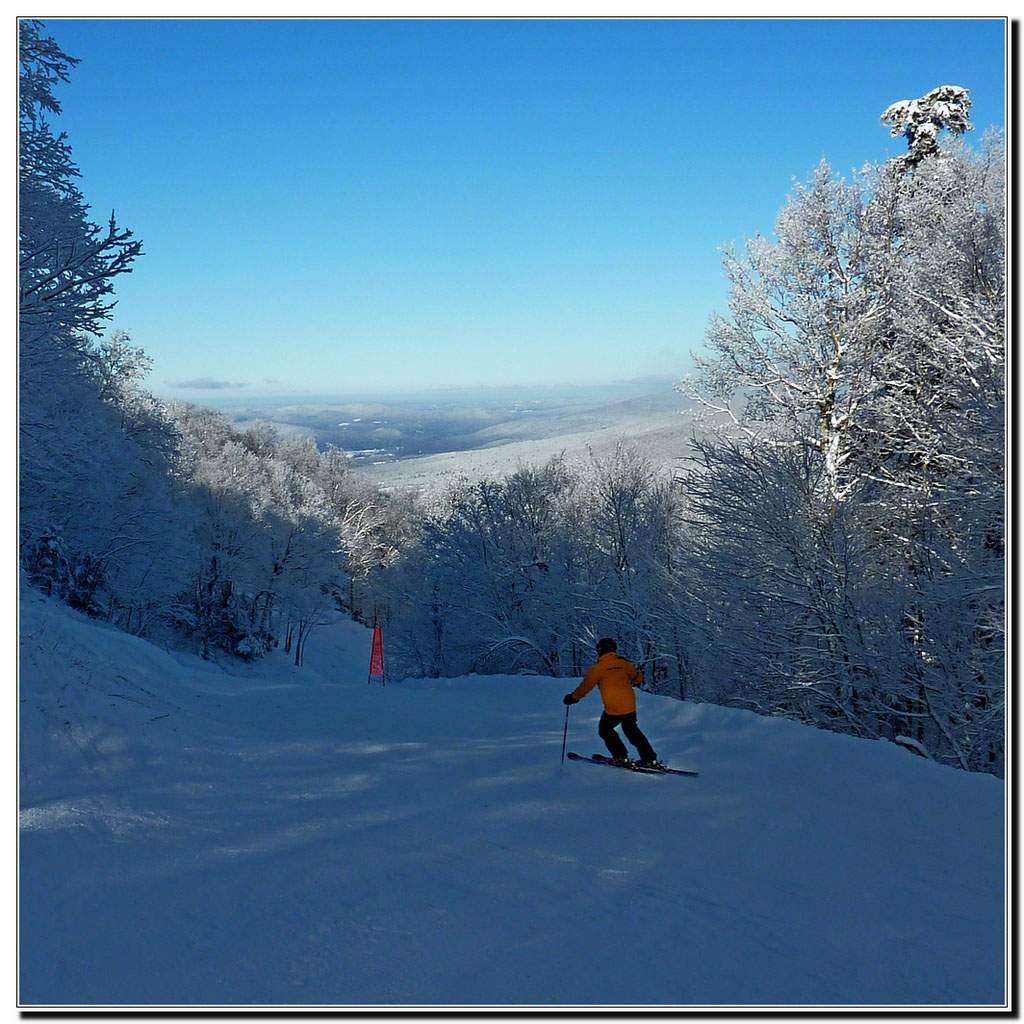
(295, 836)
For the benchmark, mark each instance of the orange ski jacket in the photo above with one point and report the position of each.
(615, 677)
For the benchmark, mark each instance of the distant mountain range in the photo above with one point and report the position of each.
(423, 441)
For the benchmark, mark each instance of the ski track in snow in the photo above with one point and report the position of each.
(278, 836)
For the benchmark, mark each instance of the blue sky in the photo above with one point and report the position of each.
(359, 205)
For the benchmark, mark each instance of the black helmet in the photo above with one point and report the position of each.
(606, 645)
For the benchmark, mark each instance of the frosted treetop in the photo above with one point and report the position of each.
(921, 120)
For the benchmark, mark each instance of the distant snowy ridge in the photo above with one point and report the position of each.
(662, 437)
(489, 439)
(279, 836)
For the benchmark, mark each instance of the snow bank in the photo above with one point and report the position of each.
(281, 836)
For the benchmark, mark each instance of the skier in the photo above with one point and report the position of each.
(615, 676)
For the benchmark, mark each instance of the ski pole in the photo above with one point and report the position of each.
(565, 733)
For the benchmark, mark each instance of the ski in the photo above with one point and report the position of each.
(632, 766)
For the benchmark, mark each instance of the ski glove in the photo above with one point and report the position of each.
(568, 699)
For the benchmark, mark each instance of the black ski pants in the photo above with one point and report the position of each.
(606, 730)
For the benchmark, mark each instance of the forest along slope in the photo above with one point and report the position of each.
(273, 835)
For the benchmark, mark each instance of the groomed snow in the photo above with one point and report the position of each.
(272, 835)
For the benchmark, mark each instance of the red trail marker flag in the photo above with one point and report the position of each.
(376, 656)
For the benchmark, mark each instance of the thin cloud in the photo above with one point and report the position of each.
(207, 384)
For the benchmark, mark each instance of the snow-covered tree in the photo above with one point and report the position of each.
(632, 588)
(527, 572)
(67, 263)
(95, 449)
(849, 514)
(156, 515)
(265, 553)
(793, 359)
(922, 120)
(283, 534)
